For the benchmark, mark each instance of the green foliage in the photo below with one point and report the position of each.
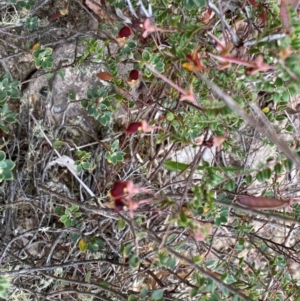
(6, 167)
(157, 295)
(154, 59)
(27, 4)
(190, 202)
(99, 105)
(93, 50)
(43, 58)
(20, 4)
(92, 244)
(6, 118)
(4, 285)
(8, 89)
(69, 216)
(32, 23)
(114, 155)
(84, 161)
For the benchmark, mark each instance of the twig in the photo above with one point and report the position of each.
(206, 273)
(234, 37)
(58, 266)
(73, 172)
(101, 211)
(273, 37)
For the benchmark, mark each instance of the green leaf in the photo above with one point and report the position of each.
(127, 249)
(260, 176)
(230, 185)
(177, 166)
(157, 294)
(2, 155)
(115, 145)
(74, 208)
(104, 283)
(86, 165)
(121, 224)
(49, 75)
(61, 72)
(64, 218)
(288, 164)
(88, 276)
(227, 278)
(267, 173)
(132, 298)
(171, 263)
(144, 293)
(74, 236)
(72, 94)
(79, 168)
(182, 219)
(295, 44)
(280, 117)
(9, 164)
(223, 219)
(131, 45)
(57, 143)
(7, 174)
(119, 156)
(160, 67)
(4, 127)
(137, 56)
(193, 292)
(134, 261)
(278, 168)
(82, 245)
(146, 55)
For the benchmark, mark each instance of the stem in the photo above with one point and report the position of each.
(168, 81)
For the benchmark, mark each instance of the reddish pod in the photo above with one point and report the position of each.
(139, 126)
(263, 203)
(134, 76)
(122, 189)
(124, 32)
(118, 190)
(119, 205)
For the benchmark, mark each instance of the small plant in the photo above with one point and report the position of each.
(70, 216)
(6, 167)
(98, 105)
(93, 244)
(114, 155)
(6, 117)
(43, 57)
(27, 4)
(32, 23)
(8, 89)
(83, 162)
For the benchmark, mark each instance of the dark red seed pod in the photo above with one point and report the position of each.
(119, 205)
(118, 190)
(55, 16)
(133, 75)
(134, 127)
(125, 32)
(189, 57)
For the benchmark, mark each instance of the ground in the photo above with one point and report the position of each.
(66, 230)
